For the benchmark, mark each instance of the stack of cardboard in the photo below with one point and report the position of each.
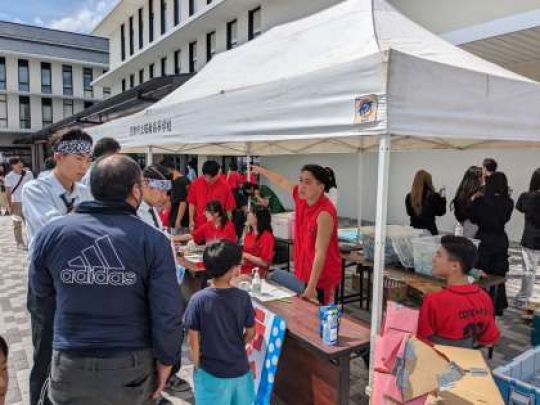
(409, 371)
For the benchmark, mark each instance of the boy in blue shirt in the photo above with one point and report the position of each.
(221, 321)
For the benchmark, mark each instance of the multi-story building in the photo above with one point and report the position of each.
(45, 76)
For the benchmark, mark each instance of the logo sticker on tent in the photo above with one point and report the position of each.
(365, 109)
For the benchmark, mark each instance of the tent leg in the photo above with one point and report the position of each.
(248, 174)
(380, 239)
(149, 156)
(360, 189)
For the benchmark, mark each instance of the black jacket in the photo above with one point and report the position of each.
(433, 205)
(529, 204)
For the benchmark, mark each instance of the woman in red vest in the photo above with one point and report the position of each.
(317, 261)
(259, 241)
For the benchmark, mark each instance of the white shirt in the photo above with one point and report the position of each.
(145, 213)
(43, 173)
(86, 178)
(11, 181)
(42, 202)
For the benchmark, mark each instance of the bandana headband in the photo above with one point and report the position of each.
(164, 185)
(74, 147)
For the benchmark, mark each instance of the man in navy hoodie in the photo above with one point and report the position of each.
(108, 281)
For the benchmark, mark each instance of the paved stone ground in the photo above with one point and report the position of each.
(15, 326)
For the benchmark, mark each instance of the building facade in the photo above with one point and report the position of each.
(45, 76)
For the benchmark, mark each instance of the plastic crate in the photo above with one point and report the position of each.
(398, 249)
(423, 250)
(519, 381)
(283, 225)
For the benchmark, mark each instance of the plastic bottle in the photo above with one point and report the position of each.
(256, 283)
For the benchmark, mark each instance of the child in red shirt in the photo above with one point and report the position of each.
(259, 242)
(217, 227)
(462, 314)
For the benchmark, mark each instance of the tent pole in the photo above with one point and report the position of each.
(248, 173)
(360, 189)
(380, 239)
(149, 156)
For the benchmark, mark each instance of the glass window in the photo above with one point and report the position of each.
(150, 21)
(176, 12)
(254, 23)
(163, 16)
(106, 92)
(192, 57)
(46, 78)
(208, 1)
(88, 77)
(24, 112)
(141, 76)
(2, 73)
(46, 111)
(67, 80)
(164, 66)
(191, 7)
(141, 29)
(131, 36)
(123, 42)
(88, 104)
(210, 45)
(3, 111)
(123, 85)
(131, 81)
(232, 34)
(68, 108)
(177, 62)
(151, 71)
(24, 76)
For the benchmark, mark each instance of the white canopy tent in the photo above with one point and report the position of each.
(293, 90)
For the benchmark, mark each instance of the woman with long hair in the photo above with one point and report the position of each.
(491, 210)
(317, 261)
(259, 241)
(217, 227)
(469, 186)
(423, 203)
(529, 204)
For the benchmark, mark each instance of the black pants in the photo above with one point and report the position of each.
(42, 336)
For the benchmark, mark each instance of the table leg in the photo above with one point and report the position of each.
(360, 270)
(344, 364)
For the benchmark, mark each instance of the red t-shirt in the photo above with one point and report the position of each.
(306, 237)
(458, 312)
(201, 192)
(208, 233)
(262, 248)
(233, 179)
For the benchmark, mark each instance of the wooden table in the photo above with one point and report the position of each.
(310, 372)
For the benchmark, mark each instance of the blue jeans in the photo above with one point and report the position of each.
(223, 391)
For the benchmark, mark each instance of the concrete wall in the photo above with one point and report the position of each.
(447, 168)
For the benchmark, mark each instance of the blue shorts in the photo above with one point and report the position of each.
(223, 391)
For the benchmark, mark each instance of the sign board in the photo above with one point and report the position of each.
(365, 109)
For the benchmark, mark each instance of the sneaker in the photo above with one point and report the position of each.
(176, 385)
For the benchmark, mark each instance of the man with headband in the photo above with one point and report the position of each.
(44, 200)
(156, 184)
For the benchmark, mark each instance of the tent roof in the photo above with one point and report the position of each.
(293, 90)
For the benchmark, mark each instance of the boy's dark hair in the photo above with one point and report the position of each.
(15, 160)
(69, 134)
(220, 257)
(462, 250)
(156, 172)
(113, 178)
(49, 164)
(4, 347)
(105, 147)
(490, 164)
(497, 183)
(535, 181)
(210, 168)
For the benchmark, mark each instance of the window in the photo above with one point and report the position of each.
(68, 108)
(123, 85)
(177, 56)
(191, 7)
(176, 12)
(232, 34)
(3, 111)
(2, 74)
(123, 42)
(192, 57)
(46, 111)
(210, 45)
(131, 37)
(151, 71)
(163, 16)
(131, 81)
(254, 23)
(67, 80)
(24, 112)
(106, 92)
(88, 104)
(208, 1)
(150, 20)
(46, 78)
(164, 66)
(24, 77)
(141, 76)
(141, 29)
(87, 82)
